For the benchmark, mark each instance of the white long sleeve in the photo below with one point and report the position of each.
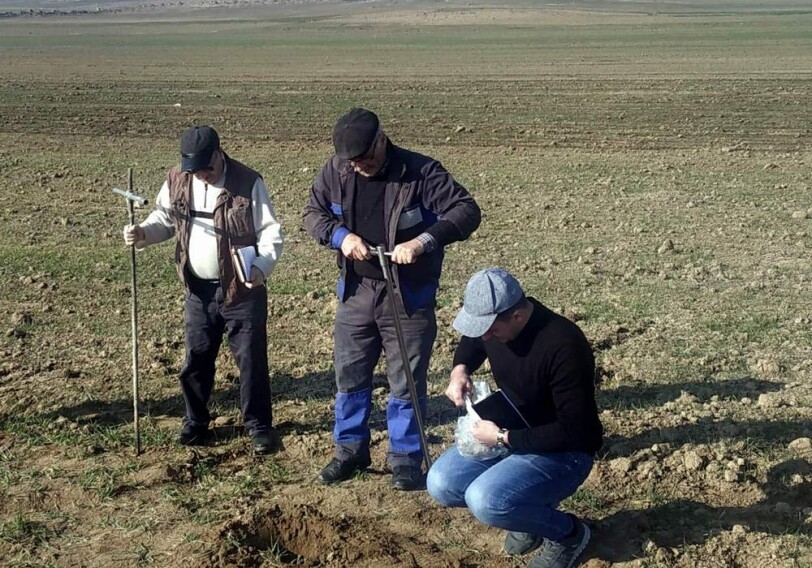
(158, 225)
(269, 232)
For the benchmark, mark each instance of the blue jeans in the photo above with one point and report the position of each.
(519, 492)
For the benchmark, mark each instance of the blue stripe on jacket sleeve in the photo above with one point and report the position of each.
(336, 209)
(338, 237)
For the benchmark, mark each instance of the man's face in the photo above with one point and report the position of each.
(503, 330)
(371, 163)
(214, 172)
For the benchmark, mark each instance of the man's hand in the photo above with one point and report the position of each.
(407, 253)
(257, 278)
(133, 234)
(459, 385)
(353, 247)
(485, 432)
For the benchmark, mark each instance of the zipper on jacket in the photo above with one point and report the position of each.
(395, 218)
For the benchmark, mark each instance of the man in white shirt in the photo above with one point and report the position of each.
(215, 206)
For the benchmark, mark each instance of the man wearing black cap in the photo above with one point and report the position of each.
(216, 207)
(372, 193)
(545, 366)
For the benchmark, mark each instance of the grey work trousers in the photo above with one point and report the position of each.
(364, 327)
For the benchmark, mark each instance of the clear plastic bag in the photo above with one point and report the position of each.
(467, 445)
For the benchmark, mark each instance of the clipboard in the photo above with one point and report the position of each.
(499, 409)
(243, 258)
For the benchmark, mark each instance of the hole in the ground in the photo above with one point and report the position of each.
(270, 546)
(300, 535)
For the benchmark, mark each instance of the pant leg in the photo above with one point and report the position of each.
(247, 335)
(204, 331)
(357, 348)
(419, 332)
(451, 475)
(522, 492)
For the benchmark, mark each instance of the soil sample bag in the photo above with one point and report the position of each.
(467, 445)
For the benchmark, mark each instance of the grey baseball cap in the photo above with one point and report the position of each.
(488, 293)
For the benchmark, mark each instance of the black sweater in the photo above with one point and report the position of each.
(548, 371)
(368, 222)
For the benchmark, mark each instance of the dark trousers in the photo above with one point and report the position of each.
(206, 318)
(365, 327)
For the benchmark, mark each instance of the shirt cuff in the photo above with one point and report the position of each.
(428, 241)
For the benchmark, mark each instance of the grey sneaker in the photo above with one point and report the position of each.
(565, 553)
(519, 543)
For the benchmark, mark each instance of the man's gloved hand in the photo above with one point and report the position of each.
(459, 385)
(353, 247)
(257, 278)
(407, 253)
(133, 234)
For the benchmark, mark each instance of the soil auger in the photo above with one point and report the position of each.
(386, 267)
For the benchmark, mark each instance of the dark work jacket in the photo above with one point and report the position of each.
(233, 223)
(548, 371)
(419, 192)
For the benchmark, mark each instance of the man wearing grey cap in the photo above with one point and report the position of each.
(544, 364)
(372, 193)
(215, 206)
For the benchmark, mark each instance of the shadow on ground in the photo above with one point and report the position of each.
(707, 431)
(621, 536)
(319, 387)
(652, 395)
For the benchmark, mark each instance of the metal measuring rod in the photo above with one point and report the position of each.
(131, 199)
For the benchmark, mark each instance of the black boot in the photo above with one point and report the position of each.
(341, 470)
(407, 478)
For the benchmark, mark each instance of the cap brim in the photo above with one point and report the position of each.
(193, 163)
(351, 153)
(473, 326)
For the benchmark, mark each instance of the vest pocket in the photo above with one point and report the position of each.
(240, 222)
(410, 218)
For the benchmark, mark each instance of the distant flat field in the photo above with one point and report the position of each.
(643, 168)
(528, 45)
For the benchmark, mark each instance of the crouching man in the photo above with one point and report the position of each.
(543, 362)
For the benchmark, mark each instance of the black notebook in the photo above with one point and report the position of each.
(499, 409)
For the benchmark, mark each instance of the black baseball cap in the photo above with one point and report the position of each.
(354, 133)
(197, 145)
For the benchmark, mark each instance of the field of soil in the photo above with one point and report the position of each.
(649, 175)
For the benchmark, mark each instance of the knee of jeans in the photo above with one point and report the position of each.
(437, 487)
(482, 504)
